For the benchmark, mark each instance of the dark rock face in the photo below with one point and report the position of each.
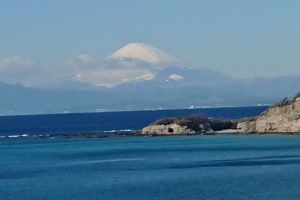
(219, 125)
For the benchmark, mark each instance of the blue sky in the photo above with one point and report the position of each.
(240, 38)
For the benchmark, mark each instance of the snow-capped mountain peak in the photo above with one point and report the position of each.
(143, 52)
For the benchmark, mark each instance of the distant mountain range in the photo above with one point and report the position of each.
(138, 77)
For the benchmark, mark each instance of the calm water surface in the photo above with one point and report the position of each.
(158, 168)
(94, 122)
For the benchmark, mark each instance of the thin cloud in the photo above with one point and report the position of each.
(110, 72)
(16, 70)
(83, 68)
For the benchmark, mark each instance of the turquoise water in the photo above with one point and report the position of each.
(157, 168)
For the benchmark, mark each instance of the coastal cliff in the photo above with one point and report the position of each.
(282, 117)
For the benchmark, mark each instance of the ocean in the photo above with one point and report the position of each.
(108, 121)
(152, 168)
(218, 167)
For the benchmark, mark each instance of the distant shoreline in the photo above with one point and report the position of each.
(142, 110)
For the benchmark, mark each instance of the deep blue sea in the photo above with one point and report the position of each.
(108, 121)
(152, 168)
(219, 167)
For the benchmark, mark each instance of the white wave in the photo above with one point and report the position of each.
(25, 135)
(111, 131)
(126, 130)
(122, 130)
(14, 136)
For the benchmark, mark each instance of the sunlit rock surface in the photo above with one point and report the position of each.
(283, 117)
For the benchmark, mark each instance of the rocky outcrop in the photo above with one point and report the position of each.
(187, 125)
(169, 129)
(283, 117)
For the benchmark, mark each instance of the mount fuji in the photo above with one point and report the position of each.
(144, 64)
(139, 76)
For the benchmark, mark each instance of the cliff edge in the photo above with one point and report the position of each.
(282, 117)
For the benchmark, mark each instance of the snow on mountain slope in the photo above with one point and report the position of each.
(145, 53)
